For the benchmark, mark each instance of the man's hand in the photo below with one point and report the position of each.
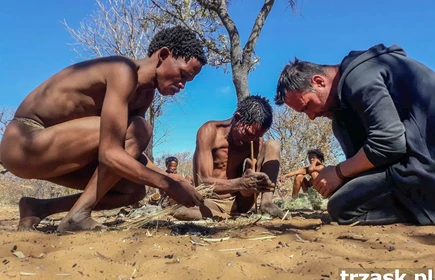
(184, 193)
(254, 182)
(327, 182)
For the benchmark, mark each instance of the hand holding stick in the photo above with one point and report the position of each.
(254, 163)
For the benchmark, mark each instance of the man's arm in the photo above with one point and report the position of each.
(203, 161)
(369, 96)
(317, 168)
(121, 84)
(114, 120)
(302, 171)
(367, 92)
(141, 113)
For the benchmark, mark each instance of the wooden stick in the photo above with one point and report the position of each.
(253, 168)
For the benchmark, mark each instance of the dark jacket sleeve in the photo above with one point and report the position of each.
(366, 90)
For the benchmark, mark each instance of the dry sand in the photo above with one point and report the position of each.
(302, 248)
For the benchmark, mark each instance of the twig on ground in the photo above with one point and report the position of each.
(300, 238)
(263, 238)
(197, 243)
(354, 224)
(286, 213)
(216, 239)
(236, 249)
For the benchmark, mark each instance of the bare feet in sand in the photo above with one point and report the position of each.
(79, 221)
(271, 209)
(33, 210)
(31, 213)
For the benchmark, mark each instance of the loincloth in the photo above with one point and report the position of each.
(223, 208)
(29, 122)
(226, 205)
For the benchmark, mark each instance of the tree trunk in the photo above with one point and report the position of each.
(240, 80)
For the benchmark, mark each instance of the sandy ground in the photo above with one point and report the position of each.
(302, 248)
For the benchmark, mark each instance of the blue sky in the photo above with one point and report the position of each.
(34, 46)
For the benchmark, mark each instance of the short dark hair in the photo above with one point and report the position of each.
(296, 76)
(317, 153)
(169, 159)
(255, 109)
(181, 41)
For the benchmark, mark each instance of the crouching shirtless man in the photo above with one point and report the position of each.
(222, 148)
(84, 128)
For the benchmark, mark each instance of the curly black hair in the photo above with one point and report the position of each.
(255, 109)
(317, 153)
(169, 159)
(180, 41)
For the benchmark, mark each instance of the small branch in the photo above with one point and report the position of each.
(230, 26)
(255, 33)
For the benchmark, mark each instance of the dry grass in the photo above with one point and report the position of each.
(310, 200)
(205, 190)
(13, 188)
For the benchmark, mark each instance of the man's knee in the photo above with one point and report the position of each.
(299, 178)
(269, 159)
(139, 193)
(188, 214)
(272, 147)
(138, 135)
(135, 191)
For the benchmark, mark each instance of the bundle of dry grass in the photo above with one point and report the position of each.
(205, 190)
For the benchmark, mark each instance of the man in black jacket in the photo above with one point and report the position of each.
(383, 108)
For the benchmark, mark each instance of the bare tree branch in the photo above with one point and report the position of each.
(6, 115)
(176, 14)
(205, 23)
(219, 6)
(255, 33)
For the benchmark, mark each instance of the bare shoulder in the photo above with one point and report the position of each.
(212, 133)
(115, 59)
(207, 131)
(116, 66)
(78, 86)
(210, 129)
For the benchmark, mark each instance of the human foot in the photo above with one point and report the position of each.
(78, 222)
(271, 209)
(30, 213)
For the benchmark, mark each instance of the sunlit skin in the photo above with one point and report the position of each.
(93, 136)
(219, 160)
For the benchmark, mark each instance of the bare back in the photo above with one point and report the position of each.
(77, 91)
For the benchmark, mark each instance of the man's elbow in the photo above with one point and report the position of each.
(397, 148)
(386, 153)
(204, 180)
(107, 159)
